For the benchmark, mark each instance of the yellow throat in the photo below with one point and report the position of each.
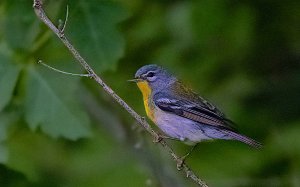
(146, 91)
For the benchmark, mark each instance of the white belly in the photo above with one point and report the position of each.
(180, 128)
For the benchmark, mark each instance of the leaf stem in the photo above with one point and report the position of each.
(63, 72)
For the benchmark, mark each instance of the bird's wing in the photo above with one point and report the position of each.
(200, 111)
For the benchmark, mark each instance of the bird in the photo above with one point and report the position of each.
(180, 113)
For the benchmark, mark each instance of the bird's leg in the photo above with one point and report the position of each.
(181, 160)
(160, 137)
(185, 156)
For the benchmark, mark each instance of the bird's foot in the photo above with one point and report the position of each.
(159, 138)
(180, 162)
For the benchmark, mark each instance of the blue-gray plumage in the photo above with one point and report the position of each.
(180, 113)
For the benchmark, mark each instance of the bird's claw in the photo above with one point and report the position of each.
(157, 139)
(160, 137)
(180, 162)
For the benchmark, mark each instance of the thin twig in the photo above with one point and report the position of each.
(63, 72)
(66, 20)
(38, 8)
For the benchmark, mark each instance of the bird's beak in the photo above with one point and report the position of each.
(135, 80)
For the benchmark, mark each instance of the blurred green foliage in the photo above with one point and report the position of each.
(58, 130)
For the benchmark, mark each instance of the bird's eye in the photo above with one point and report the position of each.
(150, 74)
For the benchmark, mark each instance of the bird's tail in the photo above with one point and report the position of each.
(243, 138)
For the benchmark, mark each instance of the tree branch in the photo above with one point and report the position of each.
(38, 8)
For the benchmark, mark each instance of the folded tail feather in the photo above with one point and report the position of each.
(243, 138)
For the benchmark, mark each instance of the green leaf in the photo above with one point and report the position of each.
(20, 24)
(51, 105)
(96, 161)
(8, 77)
(3, 153)
(25, 149)
(6, 119)
(93, 31)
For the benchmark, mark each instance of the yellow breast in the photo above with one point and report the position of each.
(146, 91)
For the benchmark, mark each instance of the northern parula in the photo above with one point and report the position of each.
(180, 113)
